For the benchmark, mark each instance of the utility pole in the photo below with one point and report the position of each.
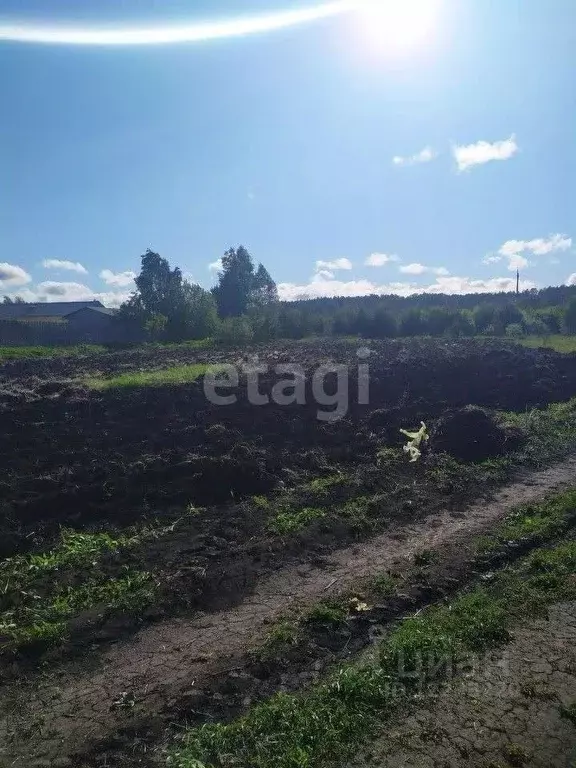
(517, 282)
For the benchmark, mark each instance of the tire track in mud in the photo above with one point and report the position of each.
(73, 708)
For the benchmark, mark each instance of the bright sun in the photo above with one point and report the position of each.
(398, 26)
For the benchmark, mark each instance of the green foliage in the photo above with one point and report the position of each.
(570, 316)
(43, 619)
(291, 521)
(166, 305)
(514, 330)
(235, 332)
(240, 288)
(155, 326)
(180, 374)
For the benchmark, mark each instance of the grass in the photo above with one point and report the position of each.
(283, 636)
(24, 353)
(292, 521)
(326, 724)
(534, 522)
(557, 342)
(330, 612)
(179, 374)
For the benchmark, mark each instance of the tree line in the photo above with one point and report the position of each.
(244, 306)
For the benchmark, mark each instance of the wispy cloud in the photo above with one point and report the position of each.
(540, 246)
(11, 274)
(424, 156)
(336, 264)
(442, 284)
(215, 266)
(380, 259)
(70, 266)
(421, 269)
(118, 279)
(515, 251)
(516, 261)
(469, 155)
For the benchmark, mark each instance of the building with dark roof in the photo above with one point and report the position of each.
(45, 310)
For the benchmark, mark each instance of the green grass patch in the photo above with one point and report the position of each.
(292, 521)
(282, 637)
(44, 618)
(321, 486)
(179, 374)
(534, 522)
(39, 593)
(26, 353)
(328, 723)
(557, 342)
(74, 549)
(330, 612)
(383, 585)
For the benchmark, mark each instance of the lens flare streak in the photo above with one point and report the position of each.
(176, 33)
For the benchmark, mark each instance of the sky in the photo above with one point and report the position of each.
(370, 150)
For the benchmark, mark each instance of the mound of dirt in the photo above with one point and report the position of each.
(471, 434)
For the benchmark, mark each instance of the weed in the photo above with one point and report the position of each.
(291, 521)
(329, 612)
(425, 557)
(534, 522)
(384, 585)
(279, 640)
(44, 618)
(515, 754)
(260, 502)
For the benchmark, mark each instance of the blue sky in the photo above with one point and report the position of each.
(346, 162)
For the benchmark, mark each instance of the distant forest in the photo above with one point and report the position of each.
(244, 306)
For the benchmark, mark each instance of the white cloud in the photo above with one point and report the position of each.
(380, 259)
(50, 290)
(215, 266)
(336, 264)
(491, 259)
(424, 156)
(468, 155)
(324, 274)
(64, 291)
(571, 279)
(443, 284)
(71, 266)
(11, 274)
(517, 262)
(540, 246)
(118, 279)
(420, 269)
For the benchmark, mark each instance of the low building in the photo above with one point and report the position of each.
(45, 311)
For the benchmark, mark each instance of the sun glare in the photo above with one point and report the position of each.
(398, 26)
